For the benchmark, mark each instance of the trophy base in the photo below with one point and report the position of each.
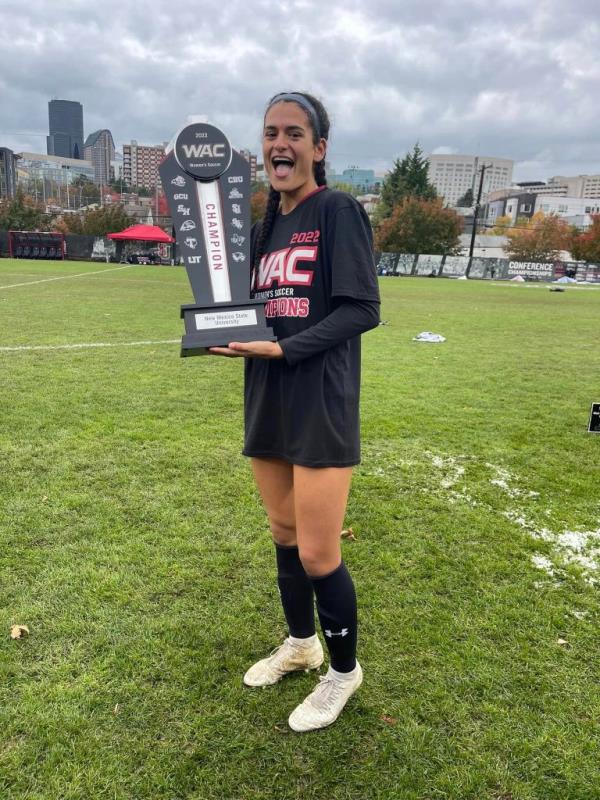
(216, 326)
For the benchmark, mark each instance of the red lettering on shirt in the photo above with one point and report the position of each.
(299, 277)
(306, 237)
(271, 268)
(287, 307)
(281, 266)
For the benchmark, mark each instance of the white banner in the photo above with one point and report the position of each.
(209, 201)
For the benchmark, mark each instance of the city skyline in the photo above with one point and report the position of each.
(515, 82)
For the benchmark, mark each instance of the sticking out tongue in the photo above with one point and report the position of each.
(283, 170)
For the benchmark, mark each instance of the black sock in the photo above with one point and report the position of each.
(296, 592)
(336, 604)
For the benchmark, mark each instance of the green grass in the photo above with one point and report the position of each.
(134, 546)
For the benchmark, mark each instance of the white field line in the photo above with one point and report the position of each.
(151, 280)
(21, 348)
(65, 277)
(542, 285)
(18, 274)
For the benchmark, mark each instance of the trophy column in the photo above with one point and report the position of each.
(207, 185)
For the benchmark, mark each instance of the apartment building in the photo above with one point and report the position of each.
(453, 175)
(587, 186)
(140, 164)
(253, 161)
(8, 173)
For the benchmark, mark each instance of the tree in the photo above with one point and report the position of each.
(408, 178)
(258, 205)
(539, 239)
(259, 186)
(99, 221)
(21, 213)
(466, 201)
(342, 186)
(60, 226)
(586, 246)
(119, 185)
(501, 225)
(142, 191)
(418, 225)
(85, 190)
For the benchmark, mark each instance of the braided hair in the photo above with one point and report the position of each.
(318, 169)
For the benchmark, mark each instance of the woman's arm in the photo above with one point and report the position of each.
(349, 318)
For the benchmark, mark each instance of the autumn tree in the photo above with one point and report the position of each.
(501, 225)
(409, 177)
(417, 225)
(539, 239)
(99, 221)
(586, 246)
(59, 225)
(22, 213)
(258, 205)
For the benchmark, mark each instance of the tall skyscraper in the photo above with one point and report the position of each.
(99, 148)
(65, 125)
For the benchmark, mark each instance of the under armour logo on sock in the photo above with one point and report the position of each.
(343, 632)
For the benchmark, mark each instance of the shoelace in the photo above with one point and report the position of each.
(277, 651)
(280, 647)
(327, 691)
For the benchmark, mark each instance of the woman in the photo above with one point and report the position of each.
(314, 268)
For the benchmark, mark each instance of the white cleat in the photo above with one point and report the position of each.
(324, 705)
(288, 657)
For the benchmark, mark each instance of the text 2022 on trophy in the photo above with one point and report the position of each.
(207, 185)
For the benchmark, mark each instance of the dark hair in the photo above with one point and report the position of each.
(318, 168)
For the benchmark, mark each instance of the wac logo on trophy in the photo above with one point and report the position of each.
(203, 151)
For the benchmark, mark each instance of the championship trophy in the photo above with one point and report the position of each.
(207, 185)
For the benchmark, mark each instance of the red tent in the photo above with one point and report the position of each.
(143, 233)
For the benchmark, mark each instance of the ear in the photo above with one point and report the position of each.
(320, 150)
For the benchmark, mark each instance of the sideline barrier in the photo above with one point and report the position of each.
(86, 248)
(481, 267)
(46, 245)
(74, 247)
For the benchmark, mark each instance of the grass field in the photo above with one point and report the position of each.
(134, 547)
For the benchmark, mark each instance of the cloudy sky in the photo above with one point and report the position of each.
(504, 78)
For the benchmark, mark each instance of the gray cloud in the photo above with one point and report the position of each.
(501, 79)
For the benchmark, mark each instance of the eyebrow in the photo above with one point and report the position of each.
(289, 128)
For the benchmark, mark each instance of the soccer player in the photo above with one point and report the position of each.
(313, 265)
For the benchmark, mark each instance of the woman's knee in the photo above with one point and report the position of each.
(283, 531)
(319, 561)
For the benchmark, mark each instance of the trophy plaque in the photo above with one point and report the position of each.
(207, 185)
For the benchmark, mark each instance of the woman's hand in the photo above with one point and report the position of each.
(248, 350)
